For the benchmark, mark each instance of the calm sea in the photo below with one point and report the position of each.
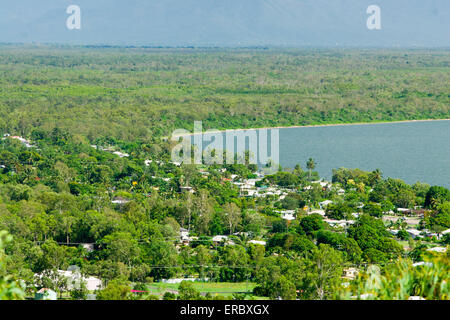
(411, 151)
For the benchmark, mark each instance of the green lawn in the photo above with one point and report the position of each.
(220, 288)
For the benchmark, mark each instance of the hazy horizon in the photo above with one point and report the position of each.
(231, 23)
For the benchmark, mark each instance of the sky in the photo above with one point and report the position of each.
(291, 23)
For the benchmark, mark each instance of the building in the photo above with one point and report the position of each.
(45, 294)
(219, 239)
(184, 234)
(121, 154)
(350, 273)
(414, 233)
(324, 204)
(89, 247)
(318, 211)
(74, 277)
(438, 249)
(260, 242)
(120, 200)
(287, 214)
(187, 189)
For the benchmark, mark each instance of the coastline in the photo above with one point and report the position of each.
(311, 126)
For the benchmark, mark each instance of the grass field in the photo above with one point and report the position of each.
(219, 288)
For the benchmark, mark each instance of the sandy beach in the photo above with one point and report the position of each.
(313, 125)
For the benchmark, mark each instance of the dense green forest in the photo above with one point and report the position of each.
(87, 181)
(133, 94)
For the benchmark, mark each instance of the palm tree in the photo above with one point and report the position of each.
(310, 164)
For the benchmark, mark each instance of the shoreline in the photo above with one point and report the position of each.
(310, 126)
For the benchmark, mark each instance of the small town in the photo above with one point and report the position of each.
(283, 216)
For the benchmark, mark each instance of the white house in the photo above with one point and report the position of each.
(89, 247)
(350, 273)
(393, 232)
(74, 277)
(318, 211)
(26, 142)
(414, 233)
(121, 154)
(120, 200)
(287, 214)
(187, 189)
(219, 238)
(422, 263)
(438, 249)
(324, 204)
(260, 242)
(46, 294)
(184, 234)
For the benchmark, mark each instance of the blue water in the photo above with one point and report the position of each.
(411, 151)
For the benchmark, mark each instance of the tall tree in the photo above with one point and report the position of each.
(310, 164)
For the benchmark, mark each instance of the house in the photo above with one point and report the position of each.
(89, 247)
(432, 234)
(26, 142)
(318, 211)
(393, 232)
(74, 277)
(338, 223)
(360, 205)
(219, 239)
(120, 200)
(121, 154)
(184, 234)
(350, 273)
(438, 249)
(324, 204)
(324, 184)
(416, 298)
(414, 233)
(93, 283)
(287, 214)
(364, 296)
(45, 294)
(260, 242)
(422, 263)
(187, 189)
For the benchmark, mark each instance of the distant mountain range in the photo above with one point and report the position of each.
(228, 22)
